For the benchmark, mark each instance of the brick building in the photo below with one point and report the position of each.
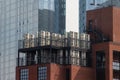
(100, 62)
(104, 26)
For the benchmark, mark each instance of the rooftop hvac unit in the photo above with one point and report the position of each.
(66, 35)
(26, 36)
(72, 43)
(77, 54)
(47, 35)
(83, 55)
(47, 42)
(66, 42)
(88, 44)
(63, 39)
(76, 35)
(42, 34)
(32, 36)
(72, 53)
(71, 34)
(83, 36)
(88, 37)
(32, 43)
(77, 43)
(73, 60)
(54, 42)
(83, 44)
(58, 36)
(37, 34)
(42, 42)
(26, 43)
(54, 36)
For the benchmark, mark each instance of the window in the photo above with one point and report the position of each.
(100, 65)
(42, 73)
(24, 74)
(90, 24)
(116, 62)
(116, 66)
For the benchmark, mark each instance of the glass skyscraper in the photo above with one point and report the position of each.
(8, 41)
(18, 17)
(82, 17)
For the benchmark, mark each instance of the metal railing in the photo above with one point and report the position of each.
(23, 61)
(66, 42)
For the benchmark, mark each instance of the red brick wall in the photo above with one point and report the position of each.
(32, 72)
(102, 47)
(58, 72)
(108, 47)
(116, 24)
(102, 20)
(81, 73)
(107, 21)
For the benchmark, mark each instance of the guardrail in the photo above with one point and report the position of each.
(66, 42)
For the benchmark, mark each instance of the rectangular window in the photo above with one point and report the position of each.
(24, 74)
(42, 73)
(116, 65)
(100, 65)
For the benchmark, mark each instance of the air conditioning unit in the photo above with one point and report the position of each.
(54, 43)
(31, 40)
(62, 40)
(42, 34)
(72, 43)
(71, 34)
(26, 36)
(47, 42)
(88, 37)
(54, 36)
(47, 35)
(42, 42)
(72, 53)
(26, 43)
(32, 43)
(77, 43)
(76, 35)
(32, 36)
(83, 36)
(77, 54)
(37, 34)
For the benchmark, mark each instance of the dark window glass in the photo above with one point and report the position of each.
(24, 74)
(42, 73)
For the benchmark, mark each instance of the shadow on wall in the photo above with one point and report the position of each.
(82, 73)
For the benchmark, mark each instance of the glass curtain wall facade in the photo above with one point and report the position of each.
(52, 15)
(27, 17)
(82, 15)
(18, 17)
(8, 39)
(97, 3)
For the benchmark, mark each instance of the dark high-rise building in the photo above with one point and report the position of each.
(52, 15)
